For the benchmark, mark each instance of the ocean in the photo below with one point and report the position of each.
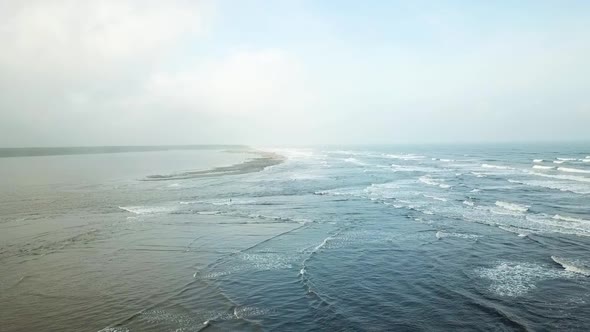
(333, 238)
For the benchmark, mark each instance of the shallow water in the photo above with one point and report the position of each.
(345, 239)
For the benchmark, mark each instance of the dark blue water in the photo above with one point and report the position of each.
(473, 238)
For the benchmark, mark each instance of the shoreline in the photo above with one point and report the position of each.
(263, 160)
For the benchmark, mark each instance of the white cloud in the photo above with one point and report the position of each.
(74, 70)
(83, 35)
(260, 82)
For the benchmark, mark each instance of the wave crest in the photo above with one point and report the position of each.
(572, 266)
(513, 206)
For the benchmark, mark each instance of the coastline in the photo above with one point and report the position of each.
(263, 160)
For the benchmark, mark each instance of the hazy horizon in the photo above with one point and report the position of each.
(127, 73)
(332, 145)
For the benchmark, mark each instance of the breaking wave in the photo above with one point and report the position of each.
(146, 209)
(513, 206)
(562, 177)
(572, 266)
(542, 167)
(571, 219)
(496, 166)
(514, 279)
(573, 170)
(431, 182)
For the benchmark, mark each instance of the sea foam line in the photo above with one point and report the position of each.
(562, 177)
(572, 266)
(496, 166)
(513, 206)
(429, 181)
(542, 167)
(571, 219)
(573, 170)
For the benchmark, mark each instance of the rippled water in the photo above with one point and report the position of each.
(344, 239)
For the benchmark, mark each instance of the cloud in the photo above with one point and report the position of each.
(244, 82)
(84, 35)
(150, 72)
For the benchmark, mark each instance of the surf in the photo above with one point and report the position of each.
(572, 266)
(513, 206)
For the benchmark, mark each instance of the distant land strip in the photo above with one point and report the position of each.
(57, 151)
(257, 164)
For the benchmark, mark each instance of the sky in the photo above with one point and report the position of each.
(295, 72)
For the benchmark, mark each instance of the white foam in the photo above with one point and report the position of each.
(573, 170)
(547, 223)
(572, 265)
(561, 176)
(446, 160)
(354, 161)
(427, 180)
(412, 168)
(577, 188)
(475, 190)
(321, 245)
(266, 261)
(571, 219)
(403, 156)
(440, 235)
(470, 203)
(513, 206)
(185, 322)
(558, 161)
(515, 279)
(435, 198)
(431, 182)
(566, 159)
(249, 312)
(585, 160)
(542, 167)
(495, 166)
(208, 213)
(146, 209)
(537, 160)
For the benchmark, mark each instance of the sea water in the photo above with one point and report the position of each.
(375, 238)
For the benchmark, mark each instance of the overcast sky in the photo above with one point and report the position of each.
(116, 72)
